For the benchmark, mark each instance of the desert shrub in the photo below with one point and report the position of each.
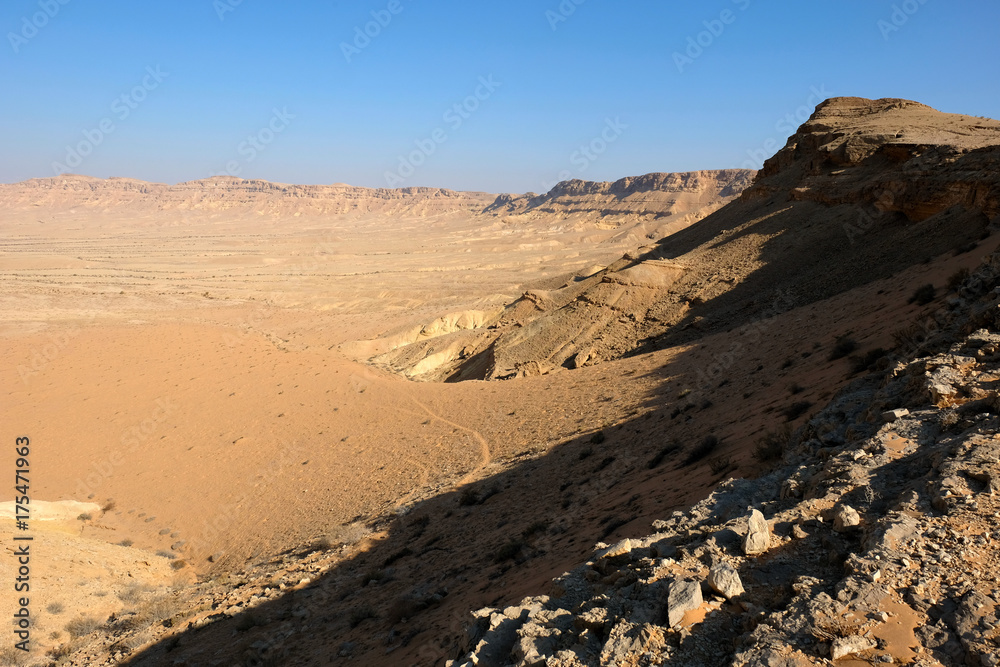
(796, 410)
(605, 462)
(179, 564)
(923, 295)
(598, 438)
(706, 447)
(361, 614)
(82, 626)
(166, 554)
(842, 347)
(85, 517)
(469, 497)
(132, 593)
(795, 388)
(771, 445)
(613, 524)
(399, 555)
(508, 551)
(248, 621)
(108, 506)
(585, 452)
(721, 466)
(372, 575)
(661, 455)
(788, 363)
(55, 608)
(125, 543)
(535, 528)
(956, 279)
(861, 363)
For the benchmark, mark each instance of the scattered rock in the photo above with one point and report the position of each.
(725, 580)
(845, 646)
(845, 518)
(758, 538)
(683, 596)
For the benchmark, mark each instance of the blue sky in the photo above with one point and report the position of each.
(181, 90)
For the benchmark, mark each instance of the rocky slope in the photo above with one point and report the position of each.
(874, 542)
(864, 189)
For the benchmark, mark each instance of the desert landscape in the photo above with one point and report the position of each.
(727, 417)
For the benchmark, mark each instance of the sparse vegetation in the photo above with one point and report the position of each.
(796, 410)
(795, 388)
(508, 551)
(598, 438)
(125, 543)
(605, 462)
(55, 608)
(82, 626)
(166, 554)
(771, 445)
(721, 466)
(84, 517)
(108, 506)
(585, 452)
(708, 445)
(399, 555)
(661, 455)
(923, 295)
(360, 615)
(867, 361)
(534, 529)
(842, 347)
(956, 279)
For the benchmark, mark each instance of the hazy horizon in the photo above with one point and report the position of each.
(511, 98)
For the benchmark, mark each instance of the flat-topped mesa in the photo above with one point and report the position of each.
(235, 195)
(655, 194)
(851, 146)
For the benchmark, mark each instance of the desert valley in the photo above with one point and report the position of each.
(706, 418)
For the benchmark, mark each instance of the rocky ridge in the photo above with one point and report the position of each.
(879, 545)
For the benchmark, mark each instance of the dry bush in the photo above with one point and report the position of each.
(82, 626)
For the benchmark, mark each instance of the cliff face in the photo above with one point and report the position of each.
(862, 190)
(651, 195)
(224, 194)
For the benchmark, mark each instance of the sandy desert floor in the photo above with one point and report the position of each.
(190, 381)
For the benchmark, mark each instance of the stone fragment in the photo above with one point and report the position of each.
(725, 580)
(845, 646)
(758, 538)
(845, 518)
(682, 597)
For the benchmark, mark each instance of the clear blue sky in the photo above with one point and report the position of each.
(560, 81)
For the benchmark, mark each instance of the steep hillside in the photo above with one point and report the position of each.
(862, 190)
(874, 543)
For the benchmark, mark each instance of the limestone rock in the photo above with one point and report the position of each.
(683, 596)
(725, 580)
(845, 646)
(845, 518)
(758, 538)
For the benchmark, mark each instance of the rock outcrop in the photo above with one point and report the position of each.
(864, 189)
(889, 554)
